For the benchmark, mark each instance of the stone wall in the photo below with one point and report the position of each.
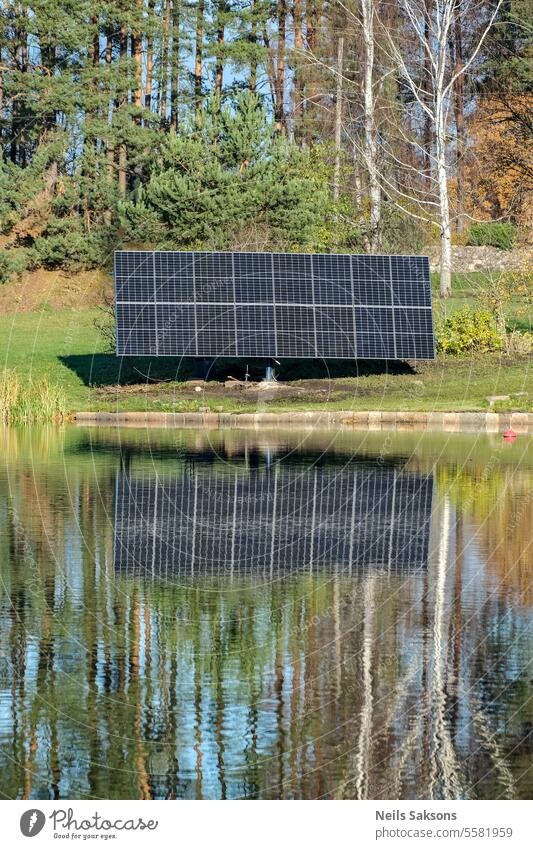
(466, 259)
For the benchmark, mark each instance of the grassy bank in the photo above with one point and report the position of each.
(64, 347)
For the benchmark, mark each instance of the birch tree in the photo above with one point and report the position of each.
(368, 15)
(338, 122)
(429, 31)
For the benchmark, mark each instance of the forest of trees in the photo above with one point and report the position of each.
(362, 125)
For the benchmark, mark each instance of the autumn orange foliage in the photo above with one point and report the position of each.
(499, 161)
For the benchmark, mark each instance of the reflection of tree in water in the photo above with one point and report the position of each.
(316, 685)
(498, 504)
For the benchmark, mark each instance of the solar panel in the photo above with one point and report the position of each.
(205, 304)
(203, 520)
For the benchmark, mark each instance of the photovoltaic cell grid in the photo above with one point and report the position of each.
(204, 522)
(276, 305)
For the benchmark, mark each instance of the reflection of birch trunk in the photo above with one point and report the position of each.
(143, 777)
(492, 746)
(296, 706)
(443, 778)
(337, 627)
(425, 753)
(173, 761)
(455, 628)
(279, 712)
(397, 707)
(20, 718)
(147, 681)
(410, 743)
(219, 721)
(90, 634)
(437, 697)
(55, 763)
(198, 712)
(251, 754)
(29, 765)
(365, 720)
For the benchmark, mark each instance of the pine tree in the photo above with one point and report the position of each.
(229, 170)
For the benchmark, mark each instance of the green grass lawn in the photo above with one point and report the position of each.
(35, 343)
(65, 346)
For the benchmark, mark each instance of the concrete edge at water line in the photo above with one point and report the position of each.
(339, 419)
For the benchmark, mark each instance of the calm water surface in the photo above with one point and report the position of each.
(196, 614)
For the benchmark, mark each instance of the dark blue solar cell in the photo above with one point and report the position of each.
(174, 276)
(254, 281)
(375, 333)
(293, 282)
(335, 332)
(372, 285)
(136, 329)
(255, 331)
(295, 331)
(176, 329)
(134, 276)
(213, 278)
(414, 333)
(215, 330)
(410, 276)
(332, 279)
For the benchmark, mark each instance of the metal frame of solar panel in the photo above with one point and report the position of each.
(203, 304)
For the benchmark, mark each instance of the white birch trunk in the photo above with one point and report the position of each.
(370, 143)
(444, 203)
(338, 123)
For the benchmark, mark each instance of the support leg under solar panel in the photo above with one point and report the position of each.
(270, 373)
(204, 367)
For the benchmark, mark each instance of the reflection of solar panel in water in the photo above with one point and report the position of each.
(273, 518)
(277, 305)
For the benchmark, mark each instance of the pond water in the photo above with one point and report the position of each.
(242, 614)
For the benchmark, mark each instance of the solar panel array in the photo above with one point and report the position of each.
(271, 519)
(202, 304)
